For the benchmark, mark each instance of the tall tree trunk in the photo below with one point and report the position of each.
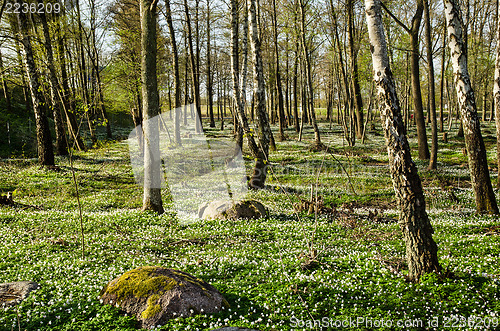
(413, 31)
(432, 88)
(356, 89)
(496, 94)
(259, 174)
(295, 90)
(44, 138)
(281, 109)
(478, 163)
(210, 91)
(26, 90)
(71, 120)
(421, 250)
(177, 74)
(61, 141)
(4, 86)
(194, 69)
(94, 57)
(423, 146)
(441, 84)
(308, 67)
(151, 108)
(243, 126)
(84, 75)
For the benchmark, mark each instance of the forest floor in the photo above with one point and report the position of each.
(341, 268)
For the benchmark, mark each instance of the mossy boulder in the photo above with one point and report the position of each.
(156, 294)
(225, 209)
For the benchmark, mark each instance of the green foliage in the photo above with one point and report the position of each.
(258, 265)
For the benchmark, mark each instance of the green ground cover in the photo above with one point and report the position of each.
(279, 273)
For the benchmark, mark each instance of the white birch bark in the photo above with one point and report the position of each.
(421, 250)
(478, 163)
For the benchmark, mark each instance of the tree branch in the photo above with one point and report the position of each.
(153, 5)
(4, 3)
(395, 18)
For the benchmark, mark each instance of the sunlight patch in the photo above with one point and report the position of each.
(195, 171)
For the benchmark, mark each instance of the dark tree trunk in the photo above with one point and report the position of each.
(496, 94)
(177, 75)
(295, 90)
(356, 89)
(432, 89)
(84, 75)
(210, 92)
(4, 86)
(61, 141)
(71, 120)
(421, 250)
(441, 85)
(194, 69)
(308, 72)
(44, 138)
(151, 108)
(423, 147)
(279, 91)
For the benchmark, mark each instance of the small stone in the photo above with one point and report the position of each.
(14, 293)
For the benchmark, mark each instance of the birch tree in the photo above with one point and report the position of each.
(263, 129)
(151, 108)
(421, 250)
(476, 151)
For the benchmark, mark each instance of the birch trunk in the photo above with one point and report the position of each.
(476, 151)
(151, 109)
(263, 129)
(421, 250)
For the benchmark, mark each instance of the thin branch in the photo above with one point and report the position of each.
(395, 18)
(4, 3)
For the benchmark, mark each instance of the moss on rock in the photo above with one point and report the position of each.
(139, 283)
(153, 308)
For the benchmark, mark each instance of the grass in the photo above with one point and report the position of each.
(262, 267)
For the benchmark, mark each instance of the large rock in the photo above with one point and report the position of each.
(13, 293)
(156, 294)
(224, 209)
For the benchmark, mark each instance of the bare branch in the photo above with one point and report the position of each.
(395, 18)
